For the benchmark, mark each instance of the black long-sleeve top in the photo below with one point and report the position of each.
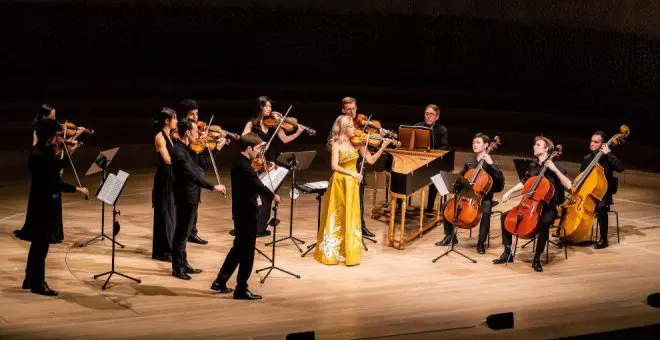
(188, 178)
(246, 185)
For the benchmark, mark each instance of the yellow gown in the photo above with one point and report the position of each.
(340, 236)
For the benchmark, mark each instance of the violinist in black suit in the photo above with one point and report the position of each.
(246, 201)
(45, 196)
(187, 183)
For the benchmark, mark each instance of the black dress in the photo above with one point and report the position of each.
(162, 200)
(271, 155)
(32, 214)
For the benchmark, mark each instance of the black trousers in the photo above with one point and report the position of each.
(484, 226)
(542, 229)
(433, 193)
(35, 271)
(185, 216)
(601, 210)
(193, 231)
(241, 254)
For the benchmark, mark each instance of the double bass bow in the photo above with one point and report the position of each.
(469, 209)
(537, 191)
(589, 187)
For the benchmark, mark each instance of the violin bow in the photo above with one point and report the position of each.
(68, 155)
(215, 169)
(263, 153)
(365, 151)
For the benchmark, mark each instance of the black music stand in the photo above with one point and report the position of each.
(109, 193)
(462, 188)
(294, 161)
(101, 164)
(272, 262)
(319, 198)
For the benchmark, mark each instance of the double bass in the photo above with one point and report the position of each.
(469, 209)
(536, 192)
(589, 188)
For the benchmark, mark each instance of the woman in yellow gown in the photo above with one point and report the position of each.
(340, 236)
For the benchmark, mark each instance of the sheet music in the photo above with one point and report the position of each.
(316, 185)
(440, 184)
(112, 187)
(274, 177)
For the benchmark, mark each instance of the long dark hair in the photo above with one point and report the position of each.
(44, 111)
(162, 117)
(258, 117)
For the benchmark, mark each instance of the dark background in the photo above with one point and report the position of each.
(506, 68)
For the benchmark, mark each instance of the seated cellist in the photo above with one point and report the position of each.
(556, 175)
(480, 144)
(610, 163)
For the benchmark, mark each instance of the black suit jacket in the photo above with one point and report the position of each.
(45, 201)
(187, 176)
(246, 185)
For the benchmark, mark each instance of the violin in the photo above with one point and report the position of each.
(216, 132)
(359, 138)
(61, 142)
(70, 129)
(537, 190)
(589, 188)
(373, 126)
(289, 125)
(174, 135)
(469, 209)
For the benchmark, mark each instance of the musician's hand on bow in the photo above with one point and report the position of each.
(82, 191)
(506, 196)
(271, 166)
(220, 188)
(221, 142)
(276, 198)
(357, 176)
(605, 149)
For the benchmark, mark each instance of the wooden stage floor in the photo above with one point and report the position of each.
(392, 294)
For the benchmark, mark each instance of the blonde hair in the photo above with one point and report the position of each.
(339, 129)
(347, 100)
(548, 143)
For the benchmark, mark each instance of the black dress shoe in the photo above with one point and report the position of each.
(602, 243)
(26, 284)
(43, 289)
(196, 239)
(181, 276)
(536, 264)
(221, 287)
(246, 295)
(191, 270)
(504, 258)
(367, 233)
(264, 233)
(232, 232)
(445, 241)
(166, 258)
(481, 249)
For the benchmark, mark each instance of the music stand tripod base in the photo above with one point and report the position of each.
(112, 270)
(100, 237)
(451, 248)
(272, 262)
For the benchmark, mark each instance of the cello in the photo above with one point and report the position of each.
(589, 187)
(469, 209)
(537, 191)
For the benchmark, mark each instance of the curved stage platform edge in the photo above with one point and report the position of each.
(392, 294)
